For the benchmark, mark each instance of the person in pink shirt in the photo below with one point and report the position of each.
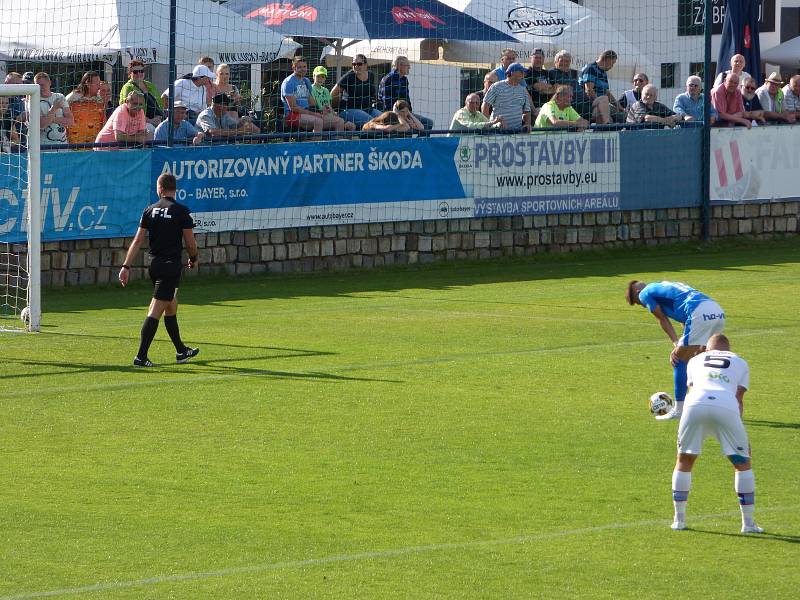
(127, 123)
(727, 99)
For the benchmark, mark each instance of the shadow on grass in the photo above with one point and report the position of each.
(773, 424)
(626, 263)
(211, 367)
(761, 537)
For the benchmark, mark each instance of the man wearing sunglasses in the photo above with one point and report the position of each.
(633, 95)
(752, 106)
(127, 123)
(356, 94)
(690, 104)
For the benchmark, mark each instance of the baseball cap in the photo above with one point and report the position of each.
(27, 77)
(202, 71)
(320, 70)
(538, 51)
(222, 99)
(514, 68)
(180, 104)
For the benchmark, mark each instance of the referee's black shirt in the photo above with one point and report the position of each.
(165, 221)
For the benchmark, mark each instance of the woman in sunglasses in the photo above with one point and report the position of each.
(356, 94)
(154, 110)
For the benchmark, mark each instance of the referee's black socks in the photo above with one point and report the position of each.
(171, 323)
(149, 328)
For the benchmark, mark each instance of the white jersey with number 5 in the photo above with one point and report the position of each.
(714, 377)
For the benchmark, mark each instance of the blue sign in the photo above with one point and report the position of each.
(246, 177)
(85, 195)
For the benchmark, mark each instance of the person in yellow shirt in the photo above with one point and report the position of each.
(558, 112)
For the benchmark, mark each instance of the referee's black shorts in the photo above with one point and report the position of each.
(165, 273)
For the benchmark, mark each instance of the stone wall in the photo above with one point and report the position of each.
(339, 247)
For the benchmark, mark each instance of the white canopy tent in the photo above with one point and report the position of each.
(786, 54)
(103, 30)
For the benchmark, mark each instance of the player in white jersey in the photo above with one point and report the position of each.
(718, 380)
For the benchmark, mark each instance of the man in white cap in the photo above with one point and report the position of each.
(771, 97)
(193, 92)
(509, 101)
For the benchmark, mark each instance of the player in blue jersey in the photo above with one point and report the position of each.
(701, 318)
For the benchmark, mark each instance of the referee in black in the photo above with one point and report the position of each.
(167, 224)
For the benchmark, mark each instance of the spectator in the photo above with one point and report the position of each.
(737, 66)
(5, 125)
(55, 113)
(509, 101)
(27, 77)
(690, 104)
(16, 104)
(386, 122)
(558, 111)
(394, 87)
(594, 79)
(355, 94)
(648, 110)
(563, 74)
(507, 57)
(537, 80)
(470, 117)
(791, 96)
(211, 88)
(153, 110)
(88, 109)
(88, 89)
(214, 124)
(182, 130)
(488, 79)
(298, 100)
(223, 85)
(193, 92)
(127, 123)
(322, 98)
(403, 111)
(771, 97)
(752, 105)
(633, 95)
(727, 99)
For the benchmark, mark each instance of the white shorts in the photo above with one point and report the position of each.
(700, 421)
(706, 320)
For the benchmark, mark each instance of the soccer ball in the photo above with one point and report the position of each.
(25, 316)
(661, 403)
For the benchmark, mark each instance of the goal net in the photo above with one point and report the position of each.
(20, 209)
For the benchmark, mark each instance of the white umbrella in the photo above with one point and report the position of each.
(77, 31)
(552, 25)
(786, 55)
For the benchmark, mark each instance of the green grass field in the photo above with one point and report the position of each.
(459, 431)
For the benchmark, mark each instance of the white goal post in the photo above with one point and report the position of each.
(20, 213)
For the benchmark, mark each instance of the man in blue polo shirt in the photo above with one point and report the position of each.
(594, 80)
(394, 87)
(701, 318)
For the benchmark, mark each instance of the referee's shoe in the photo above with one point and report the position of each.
(183, 357)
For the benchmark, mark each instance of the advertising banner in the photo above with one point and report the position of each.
(756, 164)
(85, 195)
(288, 185)
(539, 174)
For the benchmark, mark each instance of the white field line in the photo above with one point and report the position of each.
(41, 391)
(377, 554)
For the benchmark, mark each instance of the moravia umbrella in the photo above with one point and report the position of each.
(367, 19)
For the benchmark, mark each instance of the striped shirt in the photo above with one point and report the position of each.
(510, 102)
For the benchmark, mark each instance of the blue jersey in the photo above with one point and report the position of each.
(677, 300)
